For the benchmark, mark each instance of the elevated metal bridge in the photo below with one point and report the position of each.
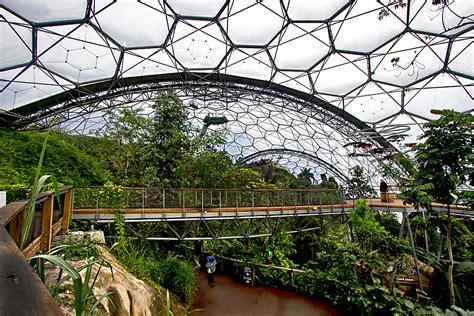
(252, 213)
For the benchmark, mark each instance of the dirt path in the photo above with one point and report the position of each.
(229, 297)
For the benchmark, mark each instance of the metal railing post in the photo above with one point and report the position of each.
(97, 205)
(320, 200)
(183, 199)
(268, 202)
(164, 198)
(281, 208)
(220, 203)
(308, 196)
(236, 203)
(296, 202)
(332, 201)
(128, 197)
(253, 201)
(143, 203)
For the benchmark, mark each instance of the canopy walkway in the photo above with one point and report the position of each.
(254, 213)
(156, 204)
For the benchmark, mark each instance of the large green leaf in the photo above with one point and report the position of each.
(75, 276)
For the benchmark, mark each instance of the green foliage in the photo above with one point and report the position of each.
(179, 276)
(166, 141)
(38, 184)
(406, 163)
(114, 197)
(142, 263)
(21, 151)
(306, 177)
(77, 246)
(84, 300)
(126, 127)
(359, 183)
(368, 232)
(101, 150)
(247, 178)
(276, 175)
(445, 158)
(445, 163)
(282, 246)
(463, 280)
(390, 171)
(328, 183)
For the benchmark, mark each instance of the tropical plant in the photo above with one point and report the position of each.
(444, 161)
(306, 176)
(167, 139)
(359, 183)
(126, 126)
(179, 276)
(84, 300)
(35, 190)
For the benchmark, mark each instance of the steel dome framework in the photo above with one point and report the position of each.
(347, 82)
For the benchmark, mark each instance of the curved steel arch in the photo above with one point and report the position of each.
(297, 153)
(87, 96)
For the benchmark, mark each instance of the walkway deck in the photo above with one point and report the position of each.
(222, 213)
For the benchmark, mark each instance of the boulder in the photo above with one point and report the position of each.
(125, 294)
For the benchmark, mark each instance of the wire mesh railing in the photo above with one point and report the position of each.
(186, 199)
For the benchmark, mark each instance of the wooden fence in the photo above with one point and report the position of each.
(21, 290)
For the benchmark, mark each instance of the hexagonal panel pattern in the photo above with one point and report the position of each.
(301, 76)
(254, 23)
(203, 8)
(47, 12)
(204, 48)
(16, 43)
(141, 24)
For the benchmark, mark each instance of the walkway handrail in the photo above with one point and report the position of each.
(21, 290)
(208, 199)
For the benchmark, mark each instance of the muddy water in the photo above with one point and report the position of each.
(229, 297)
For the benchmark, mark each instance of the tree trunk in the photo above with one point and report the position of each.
(451, 260)
(127, 161)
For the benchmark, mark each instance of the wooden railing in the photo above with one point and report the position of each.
(21, 290)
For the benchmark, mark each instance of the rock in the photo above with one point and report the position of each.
(127, 295)
(94, 234)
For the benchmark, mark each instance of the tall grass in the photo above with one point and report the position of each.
(35, 191)
(84, 299)
(179, 276)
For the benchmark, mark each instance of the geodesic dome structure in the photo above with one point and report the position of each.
(347, 82)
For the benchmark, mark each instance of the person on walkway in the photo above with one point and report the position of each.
(211, 267)
(383, 190)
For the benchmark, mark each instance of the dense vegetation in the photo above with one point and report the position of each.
(20, 152)
(345, 262)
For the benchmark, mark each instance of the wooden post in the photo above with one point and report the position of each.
(47, 224)
(67, 210)
(15, 227)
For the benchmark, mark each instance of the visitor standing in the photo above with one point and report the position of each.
(211, 267)
(383, 190)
